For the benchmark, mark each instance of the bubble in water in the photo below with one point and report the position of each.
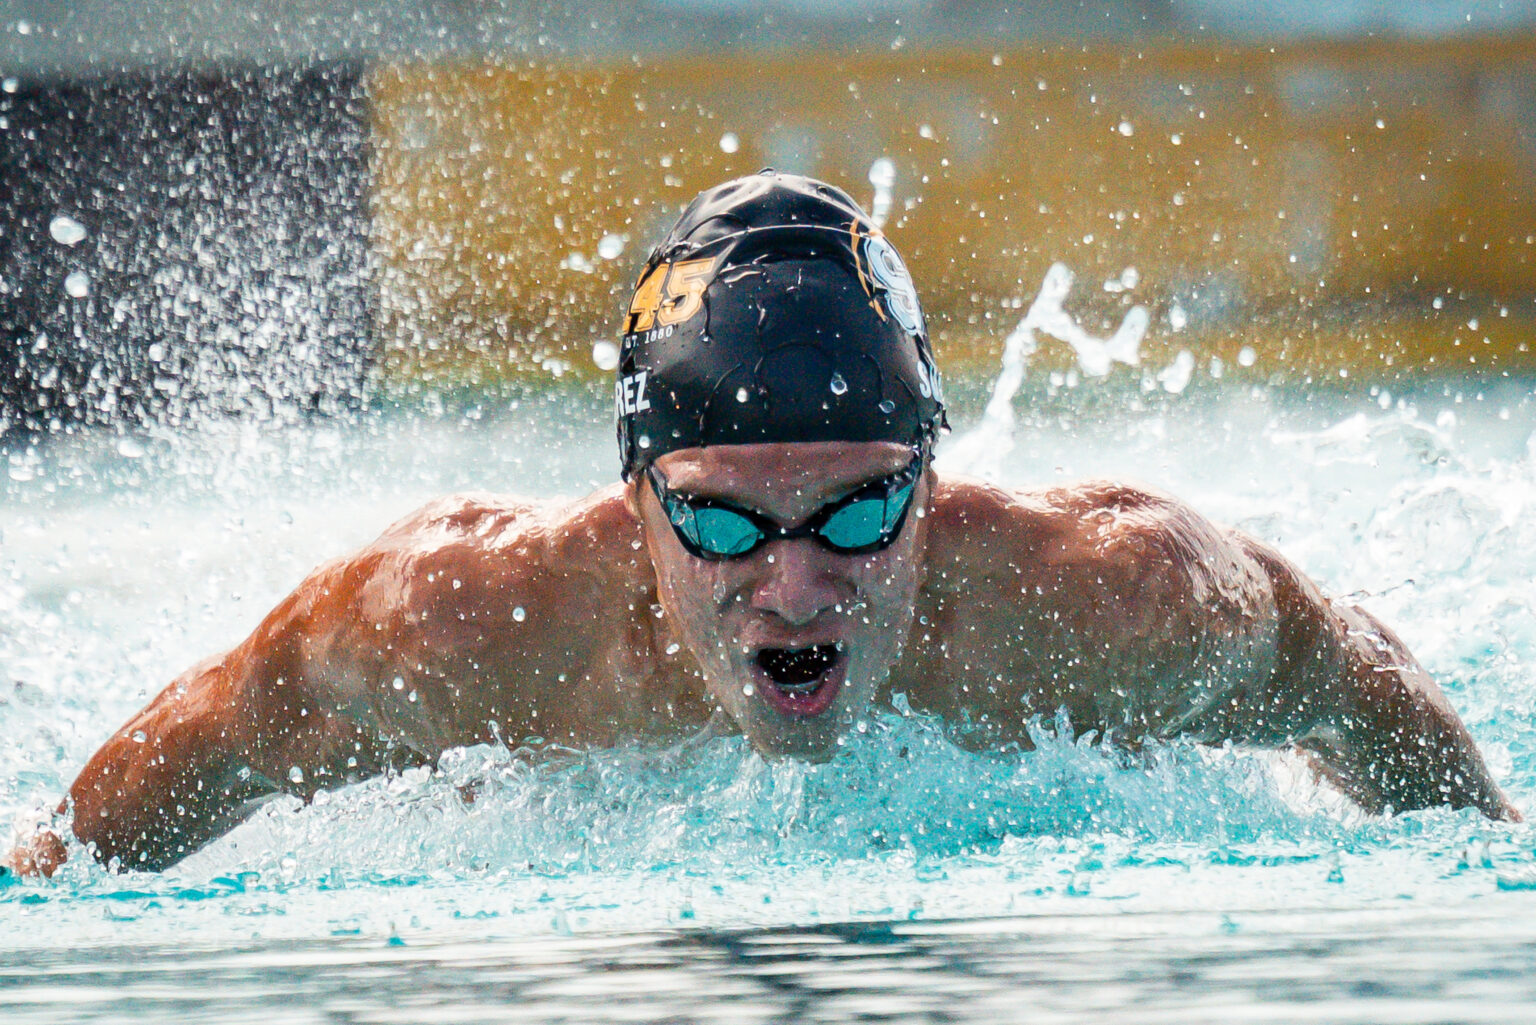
(729, 143)
(78, 284)
(66, 231)
(605, 355)
(610, 246)
(519, 614)
(838, 385)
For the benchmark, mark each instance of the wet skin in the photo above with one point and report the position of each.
(483, 620)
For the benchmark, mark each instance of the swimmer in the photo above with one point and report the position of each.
(780, 558)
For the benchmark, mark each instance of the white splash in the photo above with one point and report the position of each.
(882, 175)
(981, 450)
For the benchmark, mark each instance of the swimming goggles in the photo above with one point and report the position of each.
(867, 519)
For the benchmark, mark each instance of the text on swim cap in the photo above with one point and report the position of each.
(629, 394)
(668, 293)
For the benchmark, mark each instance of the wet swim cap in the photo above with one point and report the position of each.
(774, 310)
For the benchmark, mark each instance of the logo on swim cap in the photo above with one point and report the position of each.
(887, 271)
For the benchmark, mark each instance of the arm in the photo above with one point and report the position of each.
(1150, 620)
(233, 729)
(413, 645)
(1347, 690)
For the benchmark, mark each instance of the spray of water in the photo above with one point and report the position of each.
(981, 450)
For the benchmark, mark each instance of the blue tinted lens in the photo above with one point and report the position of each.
(723, 532)
(866, 522)
(856, 524)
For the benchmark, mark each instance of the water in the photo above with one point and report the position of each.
(906, 880)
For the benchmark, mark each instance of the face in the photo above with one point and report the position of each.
(794, 639)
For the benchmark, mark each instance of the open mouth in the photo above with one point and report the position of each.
(803, 681)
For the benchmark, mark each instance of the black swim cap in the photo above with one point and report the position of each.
(774, 310)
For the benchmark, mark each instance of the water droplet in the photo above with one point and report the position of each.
(10, 85)
(66, 231)
(519, 614)
(729, 143)
(296, 774)
(882, 173)
(139, 736)
(674, 648)
(610, 246)
(78, 284)
(839, 386)
(645, 441)
(605, 355)
(1126, 129)
(1247, 357)
(411, 697)
(399, 683)
(748, 690)
(129, 448)
(742, 394)
(887, 406)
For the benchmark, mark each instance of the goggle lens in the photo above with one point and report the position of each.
(865, 521)
(723, 532)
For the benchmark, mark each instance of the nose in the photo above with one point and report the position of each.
(795, 581)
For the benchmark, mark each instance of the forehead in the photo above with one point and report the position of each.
(810, 468)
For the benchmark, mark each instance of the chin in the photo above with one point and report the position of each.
(806, 744)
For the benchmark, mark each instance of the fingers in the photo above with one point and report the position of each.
(40, 856)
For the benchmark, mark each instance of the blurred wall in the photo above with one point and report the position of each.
(1365, 206)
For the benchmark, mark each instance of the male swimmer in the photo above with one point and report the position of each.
(781, 558)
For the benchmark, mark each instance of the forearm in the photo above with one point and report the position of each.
(1347, 690)
(1392, 739)
(185, 770)
(169, 780)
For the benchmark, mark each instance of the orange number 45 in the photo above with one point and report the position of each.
(669, 294)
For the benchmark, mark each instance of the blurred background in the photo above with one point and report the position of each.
(282, 209)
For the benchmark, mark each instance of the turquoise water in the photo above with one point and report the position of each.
(905, 880)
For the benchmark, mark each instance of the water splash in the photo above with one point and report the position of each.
(982, 449)
(882, 175)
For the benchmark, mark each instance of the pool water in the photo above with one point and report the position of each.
(906, 879)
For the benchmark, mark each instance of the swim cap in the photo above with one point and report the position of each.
(773, 311)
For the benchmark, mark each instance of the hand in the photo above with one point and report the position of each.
(42, 855)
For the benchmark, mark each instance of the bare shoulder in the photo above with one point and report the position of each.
(474, 549)
(1115, 600)
(1097, 526)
